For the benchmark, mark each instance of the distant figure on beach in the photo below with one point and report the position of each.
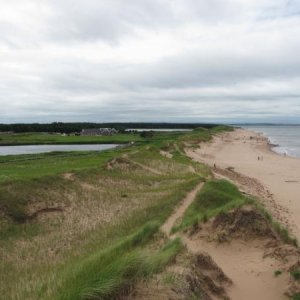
(215, 166)
(257, 157)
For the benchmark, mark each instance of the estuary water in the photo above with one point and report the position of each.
(33, 149)
(285, 137)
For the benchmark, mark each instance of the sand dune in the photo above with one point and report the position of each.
(278, 175)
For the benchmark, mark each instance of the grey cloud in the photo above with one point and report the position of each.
(230, 61)
(106, 20)
(190, 69)
(114, 19)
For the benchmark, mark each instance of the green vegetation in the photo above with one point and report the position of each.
(77, 127)
(277, 273)
(84, 225)
(40, 138)
(103, 275)
(296, 297)
(215, 197)
(28, 167)
(76, 225)
(59, 139)
(296, 274)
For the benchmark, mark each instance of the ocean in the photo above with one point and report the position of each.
(287, 137)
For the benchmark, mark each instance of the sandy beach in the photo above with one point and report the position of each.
(274, 178)
(245, 158)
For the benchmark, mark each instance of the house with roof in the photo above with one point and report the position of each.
(99, 131)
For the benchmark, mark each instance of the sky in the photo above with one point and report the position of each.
(150, 60)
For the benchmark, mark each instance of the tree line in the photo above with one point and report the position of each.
(62, 127)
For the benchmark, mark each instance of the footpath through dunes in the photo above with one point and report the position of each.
(274, 178)
(241, 245)
(179, 212)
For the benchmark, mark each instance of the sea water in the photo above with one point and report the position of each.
(285, 137)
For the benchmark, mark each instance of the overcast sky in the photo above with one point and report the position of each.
(149, 60)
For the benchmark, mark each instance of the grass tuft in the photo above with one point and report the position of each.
(277, 273)
(296, 274)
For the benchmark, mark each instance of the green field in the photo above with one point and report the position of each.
(23, 167)
(84, 225)
(47, 138)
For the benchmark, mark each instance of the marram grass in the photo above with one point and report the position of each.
(106, 274)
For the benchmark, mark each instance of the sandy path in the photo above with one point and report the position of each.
(278, 174)
(178, 213)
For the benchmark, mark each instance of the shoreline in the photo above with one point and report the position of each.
(271, 147)
(258, 170)
(286, 150)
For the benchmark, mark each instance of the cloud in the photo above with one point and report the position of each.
(158, 60)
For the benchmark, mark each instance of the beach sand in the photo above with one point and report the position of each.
(274, 178)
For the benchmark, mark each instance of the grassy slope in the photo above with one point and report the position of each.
(102, 208)
(221, 196)
(215, 196)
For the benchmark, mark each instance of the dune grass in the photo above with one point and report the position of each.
(101, 207)
(221, 196)
(106, 274)
(216, 196)
(99, 244)
(29, 276)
